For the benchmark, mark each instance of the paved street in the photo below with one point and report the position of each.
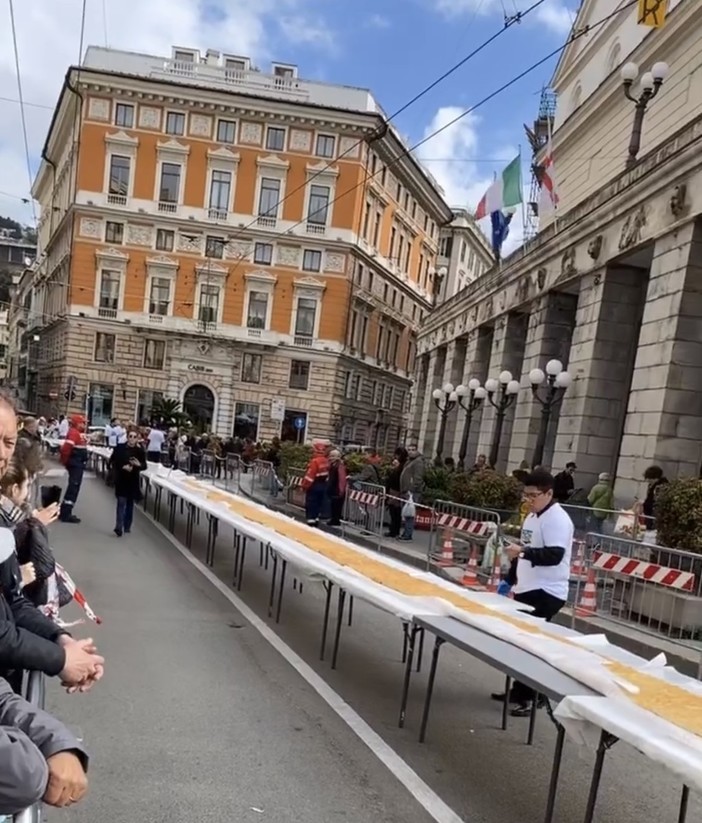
(200, 718)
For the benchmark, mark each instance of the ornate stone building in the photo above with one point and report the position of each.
(612, 287)
(259, 247)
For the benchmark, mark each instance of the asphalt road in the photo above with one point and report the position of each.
(200, 718)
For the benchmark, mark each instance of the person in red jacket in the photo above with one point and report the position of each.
(315, 482)
(337, 486)
(74, 456)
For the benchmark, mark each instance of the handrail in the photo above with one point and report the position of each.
(35, 693)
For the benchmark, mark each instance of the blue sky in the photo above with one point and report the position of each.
(393, 47)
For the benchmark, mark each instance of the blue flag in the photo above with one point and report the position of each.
(500, 230)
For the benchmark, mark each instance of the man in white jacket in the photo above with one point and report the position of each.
(542, 560)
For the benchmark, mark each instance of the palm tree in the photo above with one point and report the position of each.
(167, 411)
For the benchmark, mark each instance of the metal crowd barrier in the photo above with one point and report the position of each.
(183, 459)
(35, 692)
(294, 494)
(616, 522)
(657, 589)
(232, 472)
(263, 476)
(208, 464)
(470, 527)
(364, 509)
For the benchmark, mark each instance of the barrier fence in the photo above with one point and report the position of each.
(364, 509)
(35, 692)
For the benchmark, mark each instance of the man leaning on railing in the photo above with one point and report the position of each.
(40, 760)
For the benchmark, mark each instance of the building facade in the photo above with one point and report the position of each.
(610, 287)
(258, 247)
(464, 255)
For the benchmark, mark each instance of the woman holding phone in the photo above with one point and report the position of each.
(129, 460)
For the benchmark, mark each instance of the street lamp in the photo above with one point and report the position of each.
(557, 381)
(501, 393)
(651, 82)
(475, 394)
(448, 395)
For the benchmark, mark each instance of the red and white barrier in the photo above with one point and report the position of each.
(364, 498)
(475, 528)
(643, 570)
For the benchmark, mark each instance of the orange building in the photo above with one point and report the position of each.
(258, 247)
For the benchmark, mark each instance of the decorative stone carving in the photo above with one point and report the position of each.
(451, 328)
(98, 109)
(474, 315)
(488, 308)
(502, 301)
(568, 263)
(523, 289)
(188, 242)
(335, 262)
(300, 140)
(204, 347)
(90, 228)
(251, 133)
(349, 147)
(289, 256)
(594, 247)
(237, 250)
(149, 117)
(631, 230)
(200, 125)
(678, 200)
(541, 278)
(140, 235)
(597, 279)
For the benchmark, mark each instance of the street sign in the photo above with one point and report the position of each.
(652, 13)
(300, 423)
(277, 409)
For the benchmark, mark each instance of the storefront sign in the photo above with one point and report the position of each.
(200, 369)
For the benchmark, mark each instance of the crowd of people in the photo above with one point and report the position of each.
(40, 758)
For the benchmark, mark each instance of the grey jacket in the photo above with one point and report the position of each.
(412, 477)
(28, 736)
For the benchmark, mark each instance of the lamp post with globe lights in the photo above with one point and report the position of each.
(470, 398)
(501, 393)
(445, 400)
(651, 82)
(557, 381)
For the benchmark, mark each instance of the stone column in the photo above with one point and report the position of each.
(549, 335)
(509, 338)
(428, 415)
(664, 416)
(419, 390)
(453, 373)
(600, 361)
(477, 362)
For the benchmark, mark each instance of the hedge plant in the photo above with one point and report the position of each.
(678, 513)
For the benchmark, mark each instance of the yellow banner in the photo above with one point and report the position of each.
(652, 13)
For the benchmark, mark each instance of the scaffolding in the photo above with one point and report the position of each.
(538, 136)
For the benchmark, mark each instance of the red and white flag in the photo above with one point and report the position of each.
(549, 199)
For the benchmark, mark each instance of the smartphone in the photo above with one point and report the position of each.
(50, 495)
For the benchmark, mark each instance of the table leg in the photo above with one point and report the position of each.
(532, 719)
(684, 799)
(339, 621)
(328, 586)
(271, 599)
(405, 628)
(236, 558)
(243, 538)
(555, 774)
(260, 553)
(350, 610)
(408, 675)
(430, 688)
(267, 555)
(505, 704)
(606, 742)
(280, 590)
(421, 650)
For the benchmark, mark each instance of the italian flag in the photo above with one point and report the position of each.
(505, 193)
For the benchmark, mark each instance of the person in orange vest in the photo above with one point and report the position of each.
(74, 456)
(315, 482)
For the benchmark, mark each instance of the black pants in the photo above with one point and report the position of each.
(395, 520)
(337, 507)
(546, 606)
(75, 478)
(153, 457)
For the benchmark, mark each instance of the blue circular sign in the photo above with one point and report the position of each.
(300, 423)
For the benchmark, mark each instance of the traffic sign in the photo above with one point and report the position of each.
(300, 423)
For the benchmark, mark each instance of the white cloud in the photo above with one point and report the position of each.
(48, 39)
(446, 157)
(377, 21)
(556, 15)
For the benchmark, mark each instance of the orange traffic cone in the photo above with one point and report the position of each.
(588, 602)
(446, 558)
(577, 568)
(470, 573)
(496, 575)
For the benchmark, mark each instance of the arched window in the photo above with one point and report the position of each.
(199, 405)
(615, 57)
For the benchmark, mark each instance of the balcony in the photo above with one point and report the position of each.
(266, 222)
(156, 319)
(108, 314)
(316, 228)
(255, 333)
(303, 341)
(116, 199)
(167, 207)
(217, 214)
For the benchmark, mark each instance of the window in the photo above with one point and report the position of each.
(377, 393)
(366, 220)
(159, 296)
(209, 303)
(353, 327)
(235, 64)
(251, 368)
(175, 123)
(184, 56)
(319, 205)
(347, 383)
(114, 232)
(305, 317)
(214, 247)
(258, 310)
(356, 387)
(364, 334)
(379, 345)
(326, 144)
(169, 190)
(464, 249)
(119, 175)
(269, 197)
(226, 131)
(263, 254)
(104, 348)
(246, 421)
(220, 190)
(124, 115)
(294, 428)
(376, 228)
(275, 139)
(146, 402)
(154, 354)
(312, 260)
(299, 374)
(165, 239)
(109, 290)
(100, 403)
(387, 397)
